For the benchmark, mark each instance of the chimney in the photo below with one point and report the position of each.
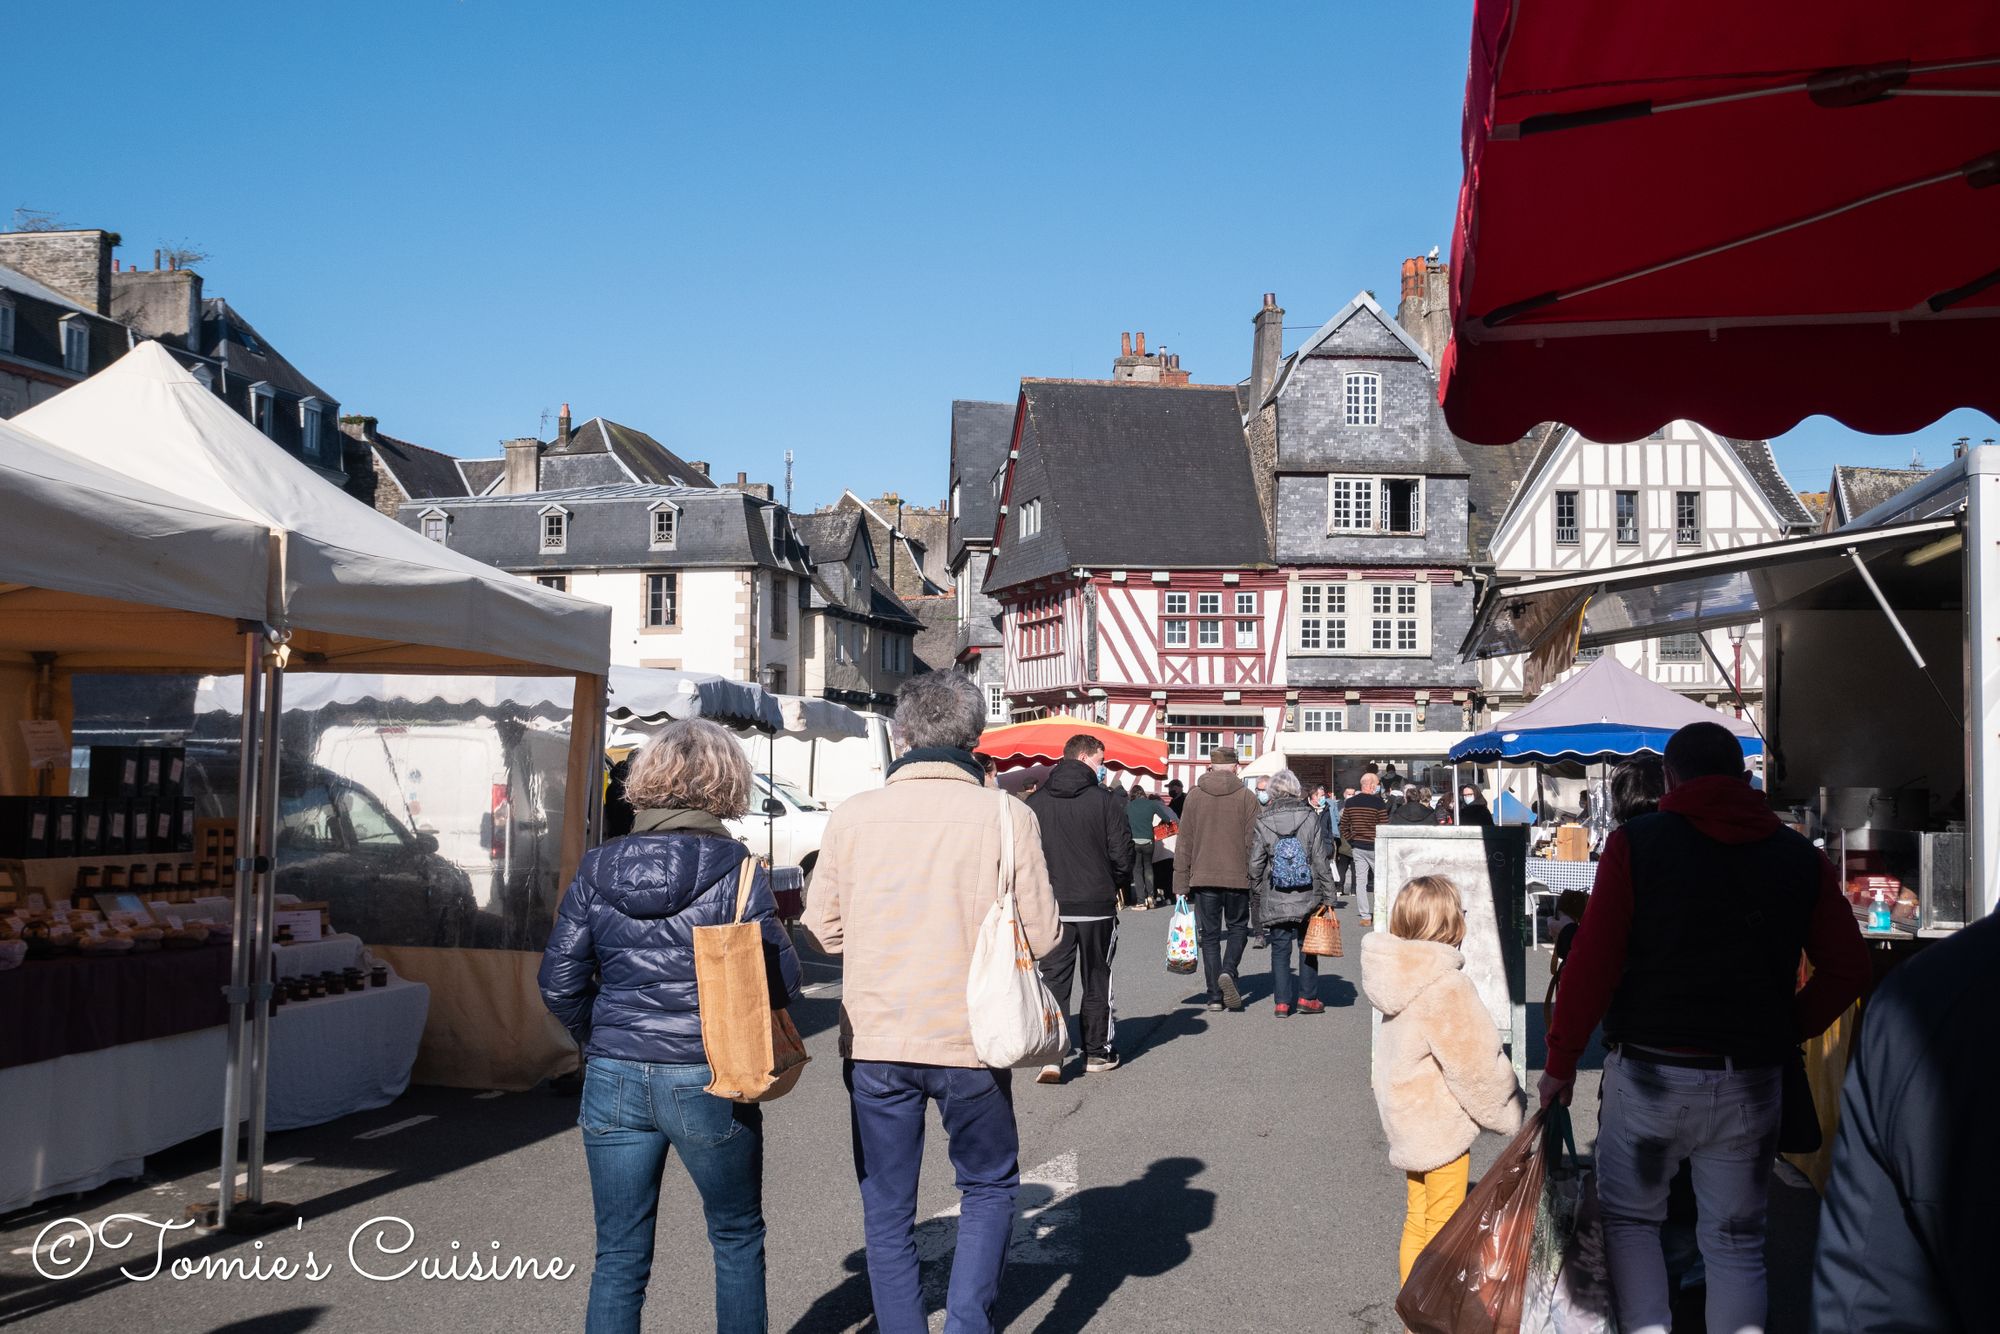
(742, 478)
(524, 466)
(1425, 308)
(698, 466)
(163, 305)
(1267, 349)
(77, 264)
(1139, 344)
(1172, 372)
(1125, 344)
(562, 428)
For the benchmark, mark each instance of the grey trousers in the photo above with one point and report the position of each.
(1725, 1124)
(1364, 881)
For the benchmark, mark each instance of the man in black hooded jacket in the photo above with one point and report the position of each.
(1087, 841)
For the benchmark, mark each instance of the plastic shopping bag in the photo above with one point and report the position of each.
(1182, 954)
(1014, 1018)
(1472, 1277)
(1569, 1273)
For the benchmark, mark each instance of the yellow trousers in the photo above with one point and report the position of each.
(1434, 1197)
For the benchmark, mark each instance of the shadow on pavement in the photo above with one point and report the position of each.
(281, 1322)
(1089, 1244)
(1138, 1038)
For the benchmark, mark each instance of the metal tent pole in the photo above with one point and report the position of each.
(1982, 662)
(262, 960)
(240, 922)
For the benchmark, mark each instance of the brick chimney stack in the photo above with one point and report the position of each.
(1267, 348)
(1425, 308)
(563, 428)
(1135, 365)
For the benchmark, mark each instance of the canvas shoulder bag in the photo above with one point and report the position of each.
(755, 1053)
(1014, 1018)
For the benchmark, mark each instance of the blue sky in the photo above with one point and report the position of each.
(752, 228)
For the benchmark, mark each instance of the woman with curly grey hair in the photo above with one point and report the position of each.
(619, 974)
(1291, 879)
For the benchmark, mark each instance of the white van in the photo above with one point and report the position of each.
(828, 772)
(784, 824)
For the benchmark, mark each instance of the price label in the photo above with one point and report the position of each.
(61, 905)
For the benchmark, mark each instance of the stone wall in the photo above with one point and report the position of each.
(77, 264)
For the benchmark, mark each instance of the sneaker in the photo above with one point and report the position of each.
(1051, 1074)
(1101, 1062)
(1311, 1007)
(1260, 944)
(1282, 1010)
(1215, 1007)
(1367, 921)
(1231, 998)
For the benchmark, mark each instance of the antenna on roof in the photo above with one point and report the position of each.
(1916, 457)
(788, 480)
(543, 429)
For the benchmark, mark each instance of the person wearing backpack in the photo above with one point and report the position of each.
(1291, 880)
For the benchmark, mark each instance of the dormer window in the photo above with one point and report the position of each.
(75, 343)
(1030, 518)
(264, 408)
(435, 523)
(6, 323)
(665, 526)
(312, 428)
(555, 529)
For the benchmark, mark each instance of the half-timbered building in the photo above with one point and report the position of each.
(1132, 568)
(1587, 505)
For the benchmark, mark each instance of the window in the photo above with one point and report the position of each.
(555, 530)
(559, 582)
(1322, 625)
(1392, 626)
(996, 704)
(1209, 635)
(1350, 504)
(264, 408)
(665, 527)
(76, 344)
(1205, 743)
(781, 589)
(371, 824)
(1246, 745)
(954, 500)
(1323, 720)
(1364, 400)
(435, 524)
(895, 653)
(1374, 504)
(1687, 518)
(777, 682)
(6, 325)
(1628, 518)
(1680, 648)
(313, 440)
(1030, 521)
(1040, 622)
(1566, 529)
(1392, 720)
(1591, 654)
(1177, 745)
(1174, 633)
(663, 597)
(1246, 604)
(1246, 634)
(1208, 604)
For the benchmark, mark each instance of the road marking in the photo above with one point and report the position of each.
(819, 988)
(490, 1093)
(1047, 1230)
(243, 1178)
(380, 1131)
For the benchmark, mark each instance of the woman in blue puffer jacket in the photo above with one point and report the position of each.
(619, 973)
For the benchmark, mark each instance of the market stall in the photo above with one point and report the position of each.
(354, 590)
(1025, 745)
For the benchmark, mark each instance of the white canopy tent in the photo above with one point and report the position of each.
(348, 589)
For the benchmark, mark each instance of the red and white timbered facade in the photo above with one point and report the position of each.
(1195, 657)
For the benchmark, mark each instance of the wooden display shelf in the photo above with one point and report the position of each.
(55, 877)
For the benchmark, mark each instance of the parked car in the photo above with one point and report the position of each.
(784, 824)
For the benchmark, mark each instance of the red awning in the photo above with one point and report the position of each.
(1742, 214)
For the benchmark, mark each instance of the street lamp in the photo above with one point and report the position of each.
(1736, 633)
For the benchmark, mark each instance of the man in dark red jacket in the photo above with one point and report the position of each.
(1689, 955)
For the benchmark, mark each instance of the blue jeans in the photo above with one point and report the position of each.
(1284, 991)
(632, 1113)
(1725, 1124)
(977, 1107)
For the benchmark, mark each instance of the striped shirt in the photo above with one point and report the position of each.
(1360, 815)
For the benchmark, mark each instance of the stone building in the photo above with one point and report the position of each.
(911, 540)
(860, 641)
(982, 434)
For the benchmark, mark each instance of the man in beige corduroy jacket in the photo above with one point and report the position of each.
(905, 876)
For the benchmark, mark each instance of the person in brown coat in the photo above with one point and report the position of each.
(1212, 862)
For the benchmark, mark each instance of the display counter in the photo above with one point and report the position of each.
(80, 1003)
(81, 1120)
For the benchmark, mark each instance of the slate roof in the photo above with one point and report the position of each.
(830, 535)
(12, 280)
(1362, 301)
(936, 645)
(230, 339)
(604, 453)
(1498, 473)
(1762, 466)
(480, 474)
(716, 528)
(1857, 490)
(980, 435)
(421, 472)
(1131, 476)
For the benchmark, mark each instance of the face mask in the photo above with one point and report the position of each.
(1263, 798)
(1101, 771)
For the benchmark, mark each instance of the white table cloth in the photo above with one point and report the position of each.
(79, 1121)
(337, 951)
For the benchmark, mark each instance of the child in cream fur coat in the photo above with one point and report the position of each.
(1439, 1072)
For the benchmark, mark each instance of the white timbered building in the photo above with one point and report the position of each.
(1132, 568)
(1585, 505)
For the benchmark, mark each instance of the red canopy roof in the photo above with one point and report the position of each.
(1041, 742)
(1742, 214)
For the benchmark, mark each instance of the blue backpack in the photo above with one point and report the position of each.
(1289, 867)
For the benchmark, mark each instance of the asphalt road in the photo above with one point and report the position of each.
(1232, 1175)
